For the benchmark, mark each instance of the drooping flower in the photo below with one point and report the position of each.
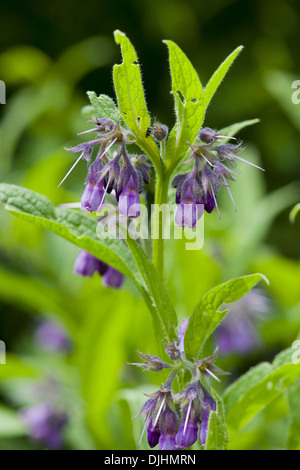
(45, 424)
(93, 195)
(168, 427)
(188, 199)
(129, 201)
(211, 155)
(87, 265)
(210, 185)
(153, 434)
(208, 405)
(191, 412)
(167, 442)
(112, 278)
(134, 173)
(118, 171)
(188, 430)
(161, 419)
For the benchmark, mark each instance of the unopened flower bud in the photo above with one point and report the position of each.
(153, 363)
(160, 131)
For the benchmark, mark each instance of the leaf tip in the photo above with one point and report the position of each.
(117, 35)
(264, 278)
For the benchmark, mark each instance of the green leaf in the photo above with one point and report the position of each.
(131, 100)
(293, 398)
(206, 317)
(189, 104)
(252, 392)
(217, 434)
(164, 310)
(104, 106)
(233, 129)
(218, 76)
(294, 212)
(72, 225)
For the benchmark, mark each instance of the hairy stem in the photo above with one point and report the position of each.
(161, 197)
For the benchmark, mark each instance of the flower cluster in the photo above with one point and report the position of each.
(122, 173)
(176, 421)
(214, 163)
(116, 171)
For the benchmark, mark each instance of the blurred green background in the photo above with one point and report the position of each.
(50, 55)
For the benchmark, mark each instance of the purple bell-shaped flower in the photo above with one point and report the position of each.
(87, 264)
(129, 202)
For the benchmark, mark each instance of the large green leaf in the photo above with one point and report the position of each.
(206, 317)
(218, 76)
(130, 95)
(189, 104)
(257, 388)
(72, 225)
(233, 129)
(104, 106)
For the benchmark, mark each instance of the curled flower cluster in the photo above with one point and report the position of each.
(125, 174)
(122, 173)
(214, 163)
(176, 421)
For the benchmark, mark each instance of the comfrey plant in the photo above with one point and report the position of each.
(185, 411)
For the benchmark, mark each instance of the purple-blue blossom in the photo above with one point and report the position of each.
(211, 156)
(87, 265)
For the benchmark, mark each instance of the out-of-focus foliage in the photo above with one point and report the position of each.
(48, 59)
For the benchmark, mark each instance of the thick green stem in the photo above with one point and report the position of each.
(161, 197)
